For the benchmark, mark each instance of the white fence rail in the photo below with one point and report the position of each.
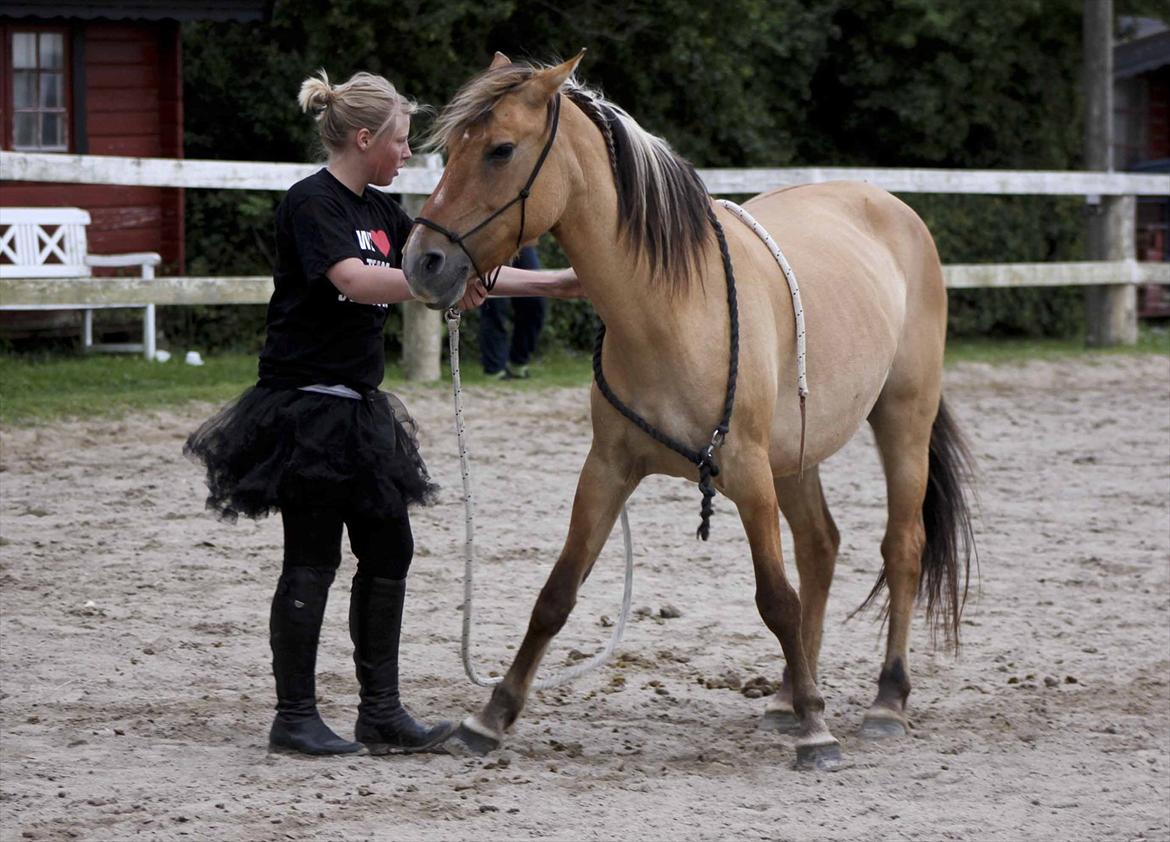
(423, 174)
(66, 293)
(37, 293)
(1086, 273)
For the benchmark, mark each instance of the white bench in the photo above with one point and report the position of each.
(51, 243)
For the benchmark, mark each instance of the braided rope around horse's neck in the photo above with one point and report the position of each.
(577, 670)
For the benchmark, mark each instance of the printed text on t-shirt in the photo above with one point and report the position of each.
(376, 241)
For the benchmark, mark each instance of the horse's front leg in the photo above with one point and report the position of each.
(755, 496)
(603, 487)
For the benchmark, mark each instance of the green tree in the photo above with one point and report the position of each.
(993, 84)
(744, 83)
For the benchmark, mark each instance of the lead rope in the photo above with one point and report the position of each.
(453, 318)
(797, 309)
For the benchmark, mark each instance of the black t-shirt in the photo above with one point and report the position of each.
(316, 334)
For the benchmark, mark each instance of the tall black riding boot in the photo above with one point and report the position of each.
(375, 624)
(294, 628)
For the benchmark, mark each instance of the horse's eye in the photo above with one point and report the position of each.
(502, 152)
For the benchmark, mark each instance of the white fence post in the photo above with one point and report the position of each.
(421, 326)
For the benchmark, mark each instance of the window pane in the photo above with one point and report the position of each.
(24, 129)
(24, 89)
(52, 90)
(24, 49)
(52, 131)
(52, 50)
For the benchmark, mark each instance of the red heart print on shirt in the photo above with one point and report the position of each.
(379, 239)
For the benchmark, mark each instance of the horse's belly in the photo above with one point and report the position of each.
(833, 416)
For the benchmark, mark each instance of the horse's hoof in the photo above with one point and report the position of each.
(475, 738)
(784, 721)
(882, 728)
(823, 757)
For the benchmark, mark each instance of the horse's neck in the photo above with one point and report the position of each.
(617, 281)
(658, 344)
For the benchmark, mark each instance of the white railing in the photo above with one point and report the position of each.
(1120, 272)
(39, 293)
(422, 174)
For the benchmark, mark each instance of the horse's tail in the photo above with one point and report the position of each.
(950, 539)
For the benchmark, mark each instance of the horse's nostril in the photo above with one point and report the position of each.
(432, 262)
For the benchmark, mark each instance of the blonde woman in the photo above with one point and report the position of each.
(316, 440)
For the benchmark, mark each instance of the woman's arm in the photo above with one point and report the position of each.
(381, 285)
(556, 283)
(368, 284)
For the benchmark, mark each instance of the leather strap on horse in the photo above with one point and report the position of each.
(705, 458)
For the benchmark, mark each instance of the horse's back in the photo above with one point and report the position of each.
(867, 270)
(849, 218)
(890, 254)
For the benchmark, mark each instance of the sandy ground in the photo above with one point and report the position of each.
(136, 688)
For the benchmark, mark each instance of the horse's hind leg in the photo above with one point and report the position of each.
(602, 489)
(901, 423)
(816, 540)
(780, 607)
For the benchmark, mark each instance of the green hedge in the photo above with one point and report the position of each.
(1008, 229)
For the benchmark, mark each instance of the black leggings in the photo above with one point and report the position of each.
(312, 538)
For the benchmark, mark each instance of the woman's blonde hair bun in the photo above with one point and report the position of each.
(316, 93)
(365, 101)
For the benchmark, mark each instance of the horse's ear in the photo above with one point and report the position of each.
(499, 60)
(547, 82)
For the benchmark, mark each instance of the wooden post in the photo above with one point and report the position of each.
(1110, 311)
(421, 326)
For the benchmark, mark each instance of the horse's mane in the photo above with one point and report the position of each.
(663, 205)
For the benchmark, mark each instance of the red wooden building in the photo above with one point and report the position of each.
(1141, 120)
(94, 78)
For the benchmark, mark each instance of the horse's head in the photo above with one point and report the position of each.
(503, 183)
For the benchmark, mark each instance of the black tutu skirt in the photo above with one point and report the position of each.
(285, 447)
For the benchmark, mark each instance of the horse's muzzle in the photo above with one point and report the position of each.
(436, 277)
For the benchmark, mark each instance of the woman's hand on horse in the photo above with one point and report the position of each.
(474, 296)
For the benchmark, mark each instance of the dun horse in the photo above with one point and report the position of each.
(641, 232)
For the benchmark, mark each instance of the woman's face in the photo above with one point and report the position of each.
(389, 151)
